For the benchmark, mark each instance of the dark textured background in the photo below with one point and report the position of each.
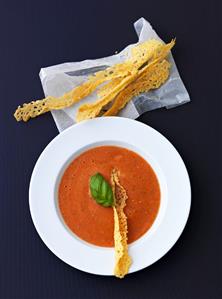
(34, 34)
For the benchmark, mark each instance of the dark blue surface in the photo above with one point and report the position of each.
(34, 34)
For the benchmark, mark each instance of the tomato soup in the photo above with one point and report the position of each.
(93, 222)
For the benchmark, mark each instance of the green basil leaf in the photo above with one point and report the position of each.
(100, 190)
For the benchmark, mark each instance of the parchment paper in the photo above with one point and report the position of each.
(58, 79)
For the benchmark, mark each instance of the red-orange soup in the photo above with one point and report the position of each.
(93, 222)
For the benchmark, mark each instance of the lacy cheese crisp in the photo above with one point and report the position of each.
(110, 84)
(122, 258)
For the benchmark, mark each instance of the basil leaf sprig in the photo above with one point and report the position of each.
(101, 191)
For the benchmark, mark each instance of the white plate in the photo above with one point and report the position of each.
(156, 149)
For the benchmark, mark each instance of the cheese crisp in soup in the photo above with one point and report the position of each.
(93, 222)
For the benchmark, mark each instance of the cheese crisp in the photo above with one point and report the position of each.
(122, 258)
(136, 74)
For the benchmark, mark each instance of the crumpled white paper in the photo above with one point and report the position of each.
(58, 79)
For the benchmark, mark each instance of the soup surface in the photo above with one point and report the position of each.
(93, 222)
